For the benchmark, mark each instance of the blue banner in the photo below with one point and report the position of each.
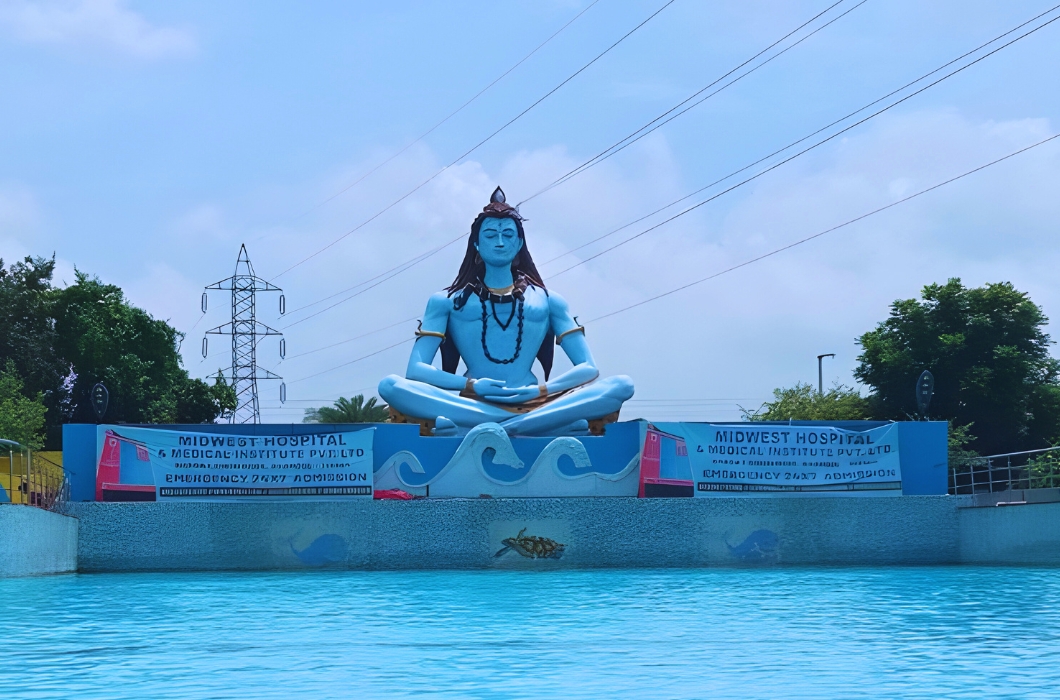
(728, 458)
(180, 465)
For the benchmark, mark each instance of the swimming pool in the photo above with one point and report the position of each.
(845, 632)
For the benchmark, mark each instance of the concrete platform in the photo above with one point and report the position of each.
(35, 541)
(1028, 533)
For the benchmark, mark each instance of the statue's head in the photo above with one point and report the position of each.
(499, 241)
(496, 238)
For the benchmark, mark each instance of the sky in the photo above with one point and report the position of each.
(145, 142)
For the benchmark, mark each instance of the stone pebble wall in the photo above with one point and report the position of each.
(485, 533)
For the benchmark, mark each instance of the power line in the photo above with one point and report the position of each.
(419, 258)
(398, 269)
(688, 401)
(350, 340)
(345, 364)
(394, 273)
(796, 155)
(790, 158)
(804, 138)
(747, 262)
(821, 233)
(456, 111)
(477, 145)
(643, 131)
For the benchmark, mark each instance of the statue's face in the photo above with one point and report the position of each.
(498, 242)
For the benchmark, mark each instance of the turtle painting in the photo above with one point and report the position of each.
(531, 546)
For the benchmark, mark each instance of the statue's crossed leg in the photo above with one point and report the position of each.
(589, 402)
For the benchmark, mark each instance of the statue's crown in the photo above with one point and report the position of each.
(499, 207)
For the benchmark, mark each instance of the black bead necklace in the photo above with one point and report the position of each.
(516, 301)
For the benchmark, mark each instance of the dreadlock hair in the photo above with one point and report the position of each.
(473, 270)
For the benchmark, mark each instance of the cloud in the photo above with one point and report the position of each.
(202, 223)
(21, 226)
(698, 354)
(18, 210)
(105, 23)
(171, 296)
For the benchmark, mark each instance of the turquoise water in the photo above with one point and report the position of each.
(814, 633)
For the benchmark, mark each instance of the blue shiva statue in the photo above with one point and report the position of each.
(498, 316)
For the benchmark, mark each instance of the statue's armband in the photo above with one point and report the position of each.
(578, 328)
(420, 333)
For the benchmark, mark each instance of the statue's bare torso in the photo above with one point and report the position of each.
(464, 326)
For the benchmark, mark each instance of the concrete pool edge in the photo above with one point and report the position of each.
(471, 533)
(36, 542)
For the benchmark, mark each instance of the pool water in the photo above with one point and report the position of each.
(785, 633)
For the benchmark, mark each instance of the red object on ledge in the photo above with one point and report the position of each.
(392, 495)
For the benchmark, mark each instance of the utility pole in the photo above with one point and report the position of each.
(245, 331)
(820, 372)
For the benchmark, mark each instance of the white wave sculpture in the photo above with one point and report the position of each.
(387, 477)
(464, 476)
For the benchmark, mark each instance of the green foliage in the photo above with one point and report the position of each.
(27, 333)
(958, 439)
(989, 355)
(63, 341)
(802, 402)
(355, 410)
(1044, 470)
(199, 402)
(108, 340)
(21, 417)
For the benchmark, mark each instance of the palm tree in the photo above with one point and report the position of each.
(355, 410)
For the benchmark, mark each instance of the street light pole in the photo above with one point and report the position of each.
(820, 371)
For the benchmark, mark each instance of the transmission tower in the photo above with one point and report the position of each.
(246, 332)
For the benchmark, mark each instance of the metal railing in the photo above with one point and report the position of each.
(29, 478)
(1033, 469)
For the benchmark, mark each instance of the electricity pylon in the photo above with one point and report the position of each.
(245, 330)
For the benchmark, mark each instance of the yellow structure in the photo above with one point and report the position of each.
(32, 478)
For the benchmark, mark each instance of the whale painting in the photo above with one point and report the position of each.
(326, 549)
(760, 545)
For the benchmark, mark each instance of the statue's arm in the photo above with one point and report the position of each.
(584, 369)
(421, 369)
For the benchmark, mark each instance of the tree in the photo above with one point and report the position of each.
(21, 417)
(199, 402)
(62, 341)
(355, 410)
(108, 340)
(28, 336)
(802, 402)
(986, 347)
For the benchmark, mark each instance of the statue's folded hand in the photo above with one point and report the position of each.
(521, 394)
(492, 389)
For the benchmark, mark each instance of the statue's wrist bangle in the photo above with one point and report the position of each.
(469, 387)
(542, 390)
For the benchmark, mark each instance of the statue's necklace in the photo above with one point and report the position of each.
(517, 310)
(501, 291)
